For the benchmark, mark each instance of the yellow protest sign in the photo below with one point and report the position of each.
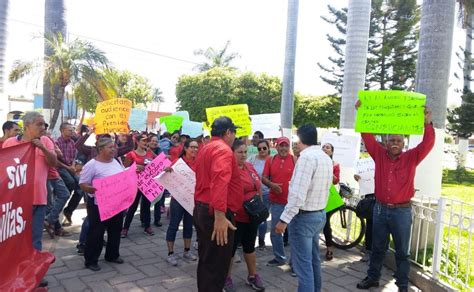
(239, 114)
(111, 116)
(390, 112)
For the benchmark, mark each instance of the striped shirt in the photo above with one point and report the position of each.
(309, 185)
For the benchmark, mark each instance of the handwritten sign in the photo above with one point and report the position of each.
(183, 114)
(137, 120)
(193, 129)
(334, 200)
(111, 116)
(345, 148)
(390, 112)
(115, 193)
(239, 114)
(173, 123)
(365, 168)
(149, 187)
(268, 124)
(180, 183)
(252, 151)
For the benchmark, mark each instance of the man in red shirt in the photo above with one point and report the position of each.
(218, 195)
(394, 188)
(277, 175)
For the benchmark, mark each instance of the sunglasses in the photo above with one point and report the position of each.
(262, 148)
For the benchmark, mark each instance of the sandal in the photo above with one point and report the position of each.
(329, 255)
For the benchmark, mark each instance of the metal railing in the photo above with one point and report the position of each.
(442, 239)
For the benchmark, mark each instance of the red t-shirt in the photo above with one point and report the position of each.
(279, 170)
(175, 151)
(138, 159)
(218, 180)
(336, 172)
(252, 185)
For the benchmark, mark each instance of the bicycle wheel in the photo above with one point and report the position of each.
(347, 229)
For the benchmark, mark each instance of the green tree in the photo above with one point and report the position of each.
(393, 36)
(322, 111)
(68, 64)
(220, 58)
(461, 119)
(222, 86)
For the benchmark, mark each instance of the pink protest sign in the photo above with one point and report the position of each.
(115, 193)
(146, 183)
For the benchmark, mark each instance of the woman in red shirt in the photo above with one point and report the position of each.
(141, 156)
(246, 232)
(329, 150)
(178, 213)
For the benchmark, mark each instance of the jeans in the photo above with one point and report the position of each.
(262, 229)
(37, 223)
(396, 222)
(84, 231)
(304, 236)
(277, 239)
(61, 194)
(178, 213)
(158, 205)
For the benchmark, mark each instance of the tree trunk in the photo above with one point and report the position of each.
(58, 100)
(432, 76)
(358, 21)
(287, 99)
(54, 22)
(3, 38)
(463, 146)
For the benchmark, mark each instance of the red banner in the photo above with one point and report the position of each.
(21, 266)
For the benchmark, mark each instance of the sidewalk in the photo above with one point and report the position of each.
(146, 269)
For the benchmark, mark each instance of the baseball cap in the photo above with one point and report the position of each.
(222, 124)
(283, 140)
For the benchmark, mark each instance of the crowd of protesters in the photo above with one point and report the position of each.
(294, 188)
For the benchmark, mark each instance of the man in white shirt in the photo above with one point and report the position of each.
(307, 198)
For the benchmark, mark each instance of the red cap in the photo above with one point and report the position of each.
(283, 140)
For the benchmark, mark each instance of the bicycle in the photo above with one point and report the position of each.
(348, 229)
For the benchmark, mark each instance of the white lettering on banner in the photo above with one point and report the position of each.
(365, 168)
(345, 148)
(11, 221)
(16, 174)
(180, 183)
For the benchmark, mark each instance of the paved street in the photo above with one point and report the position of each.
(146, 269)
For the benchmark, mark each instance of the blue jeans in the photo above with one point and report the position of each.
(84, 231)
(59, 195)
(262, 229)
(277, 239)
(178, 213)
(396, 222)
(37, 223)
(304, 236)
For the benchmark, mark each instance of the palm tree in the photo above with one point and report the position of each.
(358, 21)
(54, 23)
(68, 63)
(287, 98)
(215, 58)
(3, 37)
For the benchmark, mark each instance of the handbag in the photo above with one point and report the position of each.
(365, 207)
(256, 210)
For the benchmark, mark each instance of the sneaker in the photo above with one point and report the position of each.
(149, 231)
(189, 256)
(124, 233)
(275, 263)
(229, 285)
(261, 244)
(49, 228)
(365, 258)
(93, 267)
(195, 245)
(292, 272)
(172, 260)
(367, 283)
(158, 224)
(43, 283)
(80, 248)
(255, 282)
